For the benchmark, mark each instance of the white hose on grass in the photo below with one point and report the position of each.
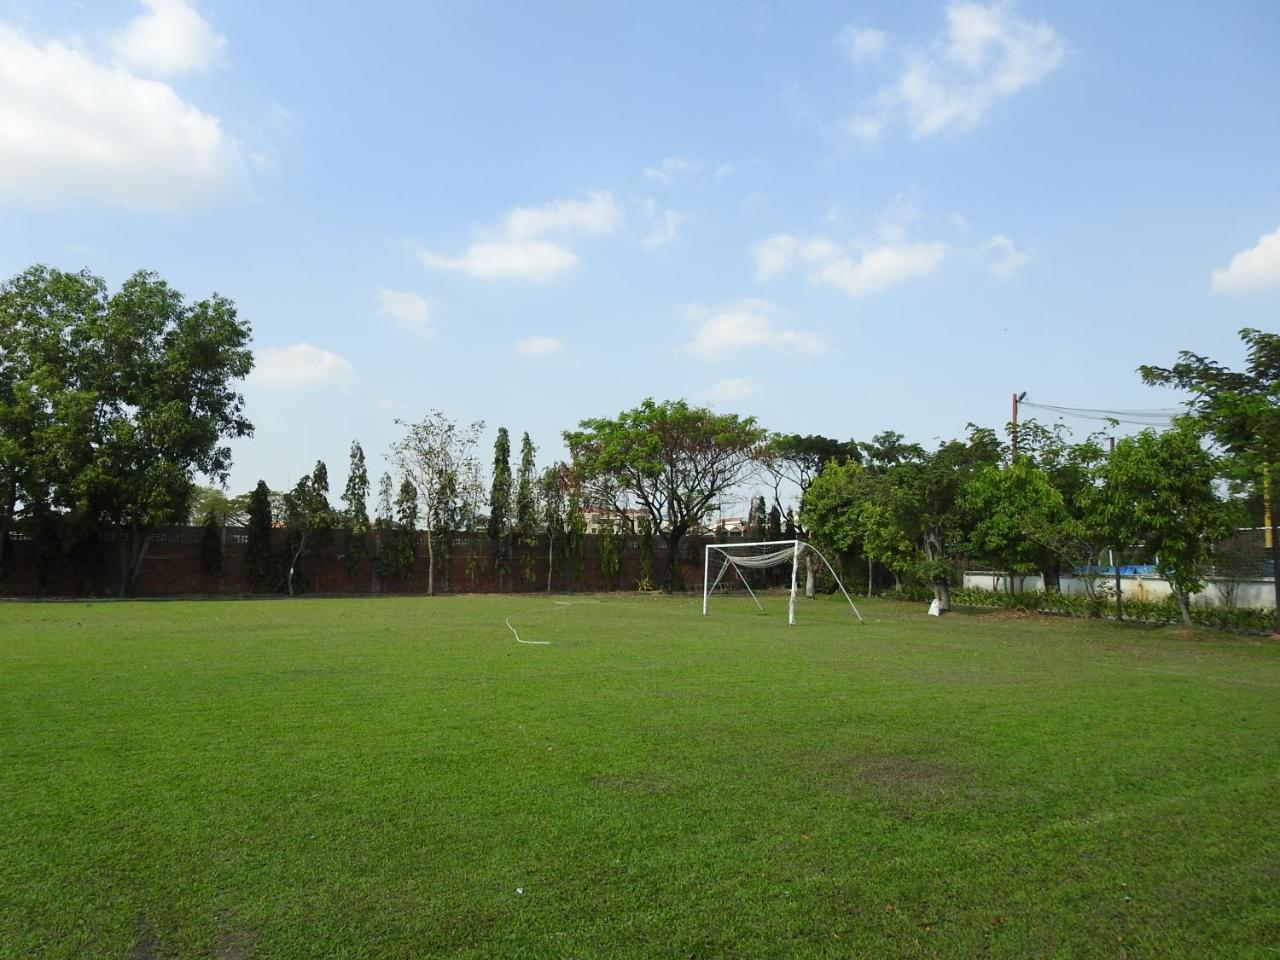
(532, 643)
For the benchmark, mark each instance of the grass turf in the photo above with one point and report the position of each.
(400, 778)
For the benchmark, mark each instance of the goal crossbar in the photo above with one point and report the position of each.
(786, 551)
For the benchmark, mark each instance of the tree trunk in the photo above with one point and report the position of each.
(431, 564)
(870, 575)
(133, 550)
(293, 561)
(810, 589)
(942, 593)
(551, 559)
(1183, 606)
(1115, 568)
(673, 561)
(7, 509)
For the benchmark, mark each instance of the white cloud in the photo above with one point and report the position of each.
(733, 389)
(879, 268)
(725, 171)
(987, 55)
(863, 44)
(672, 169)
(1251, 270)
(539, 346)
(299, 366)
(518, 249)
(869, 270)
(1004, 259)
(664, 225)
(743, 325)
(409, 310)
(75, 128)
(170, 38)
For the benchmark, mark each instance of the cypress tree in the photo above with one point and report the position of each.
(355, 514)
(500, 504)
(257, 550)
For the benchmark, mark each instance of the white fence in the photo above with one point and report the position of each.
(1258, 592)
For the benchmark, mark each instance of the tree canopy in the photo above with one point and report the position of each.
(675, 459)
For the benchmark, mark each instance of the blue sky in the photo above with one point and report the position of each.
(851, 218)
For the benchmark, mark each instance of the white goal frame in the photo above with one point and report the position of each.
(727, 550)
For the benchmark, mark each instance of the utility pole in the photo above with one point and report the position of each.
(1013, 432)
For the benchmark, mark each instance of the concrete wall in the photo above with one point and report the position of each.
(1258, 593)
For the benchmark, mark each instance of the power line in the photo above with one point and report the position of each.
(1152, 417)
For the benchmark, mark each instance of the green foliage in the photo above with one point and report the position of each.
(676, 460)
(355, 513)
(308, 521)
(110, 405)
(439, 456)
(1158, 489)
(500, 504)
(1231, 619)
(552, 486)
(610, 560)
(257, 552)
(1241, 411)
(230, 511)
(1016, 512)
(526, 526)
(904, 508)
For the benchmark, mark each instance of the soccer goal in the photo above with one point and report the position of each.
(761, 563)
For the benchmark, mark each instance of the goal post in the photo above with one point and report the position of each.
(743, 557)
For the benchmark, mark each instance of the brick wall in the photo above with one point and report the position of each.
(173, 567)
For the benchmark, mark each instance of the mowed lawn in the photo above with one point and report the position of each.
(401, 778)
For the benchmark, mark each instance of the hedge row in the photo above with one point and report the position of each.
(1235, 619)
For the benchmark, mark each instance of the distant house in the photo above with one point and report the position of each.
(610, 520)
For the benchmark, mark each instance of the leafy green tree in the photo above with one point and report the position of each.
(116, 403)
(405, 550)
(48, 401)
(676, 460)
(448, 521)
(757, 519)
(1016, 510)
(526, 526)
(551, 488)
(308, 518)
(500, 505)
(904, 507)
(1158, 489)
(795, 460)
(230, 511)
(384, 528)
(437, 455)
(257, 550)
(1240, 409)
(355, 513)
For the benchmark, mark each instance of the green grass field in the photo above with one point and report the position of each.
(400, 778)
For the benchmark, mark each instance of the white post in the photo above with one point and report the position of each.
(706, 572)
(791, 605)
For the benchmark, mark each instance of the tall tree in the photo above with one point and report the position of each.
(500, 505)
(551, 488)
(433, 450)
(526, 525)
(406, 537)
(308, 518)
(1158, 490)
(1240, 409)
(133, 396)
(905, 507)
(676, 460)
(257, 550)
(211, 548)
(355, 513)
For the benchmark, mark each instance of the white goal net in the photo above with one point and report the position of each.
(761, 566)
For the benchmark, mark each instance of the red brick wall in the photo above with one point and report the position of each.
(173, 567)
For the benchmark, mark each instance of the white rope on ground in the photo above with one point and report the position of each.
(532, 643)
